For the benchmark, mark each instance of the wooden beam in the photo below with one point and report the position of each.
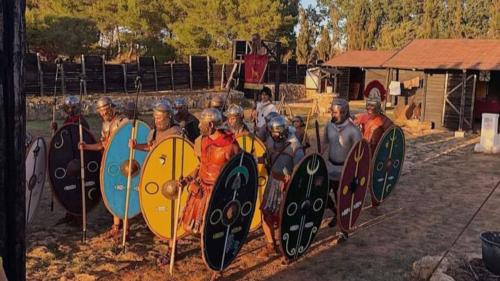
(13, 130)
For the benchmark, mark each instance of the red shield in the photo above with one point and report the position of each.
(353, 185)
(255, 67)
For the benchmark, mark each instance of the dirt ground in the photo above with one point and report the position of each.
(443, 183)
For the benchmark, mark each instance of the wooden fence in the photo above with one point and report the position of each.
(100, 77)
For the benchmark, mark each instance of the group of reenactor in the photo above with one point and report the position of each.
(214, 137)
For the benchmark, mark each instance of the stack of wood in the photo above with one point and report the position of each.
(408, 117)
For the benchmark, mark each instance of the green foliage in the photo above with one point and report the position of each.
(324, 46)
(494, 30)
(68, 36)
(304, 39)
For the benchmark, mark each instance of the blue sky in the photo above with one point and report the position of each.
(306, 3)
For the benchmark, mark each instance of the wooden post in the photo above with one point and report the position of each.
(63, 82)
(155, 73)
(424, 105)
(462, 101)
(208, 71)
(12, 130)
(190, 72)
(223, 76)
(84, 74)
(124, 67)
(445, 97)
(104, 73)
(472, 103)
(40, 73)
(277, 79)
(172, 76)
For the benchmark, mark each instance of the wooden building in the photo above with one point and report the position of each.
(454, 80)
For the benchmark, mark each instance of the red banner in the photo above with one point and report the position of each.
(255, 67)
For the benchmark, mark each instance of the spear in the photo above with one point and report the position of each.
(178, 209)
(82, 166)
(138, 87)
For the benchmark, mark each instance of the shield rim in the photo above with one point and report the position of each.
(366, 189)
(45, 162)
(202, 240)
(257, 140)
(282, 210)
(141, 183)
(372, 164)
(103, 160)
(50, 181)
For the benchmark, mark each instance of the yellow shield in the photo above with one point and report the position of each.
(245, 143)
(157, 189)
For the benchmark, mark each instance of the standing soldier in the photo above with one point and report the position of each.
(218, 146)
(72, 109)
(165, 126)
(235, 121)
(111, 121)
(284, 151)
(263, 108)
(340, 136)
(217, 102)
(299, 125)
(373, 122)
(183, 116)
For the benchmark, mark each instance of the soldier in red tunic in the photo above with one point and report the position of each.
(373, 123)
(218, 146)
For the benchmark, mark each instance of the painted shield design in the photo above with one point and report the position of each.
(114, 170)
(303, 207)
(35, 163)
(387, 163)
(259, 149)
(230, 211)
(157, 190)
(64, 169)
(353, 185)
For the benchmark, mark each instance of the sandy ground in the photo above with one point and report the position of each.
(443, 184)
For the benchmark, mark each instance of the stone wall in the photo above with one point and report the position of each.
(40, 108)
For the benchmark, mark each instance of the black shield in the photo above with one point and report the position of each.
(230, 211)
(303, 206)
(64, 169)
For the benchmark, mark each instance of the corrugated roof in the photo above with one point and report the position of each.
(370, 58)
(473, 54)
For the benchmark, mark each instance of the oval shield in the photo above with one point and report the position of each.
(35, 163)
(353, 185)
(114, 170)
(158, 196)
(304, 205)
(64, 169)
(387, 163)
(229, 212)
(245, 143)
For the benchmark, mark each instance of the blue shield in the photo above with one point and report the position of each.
(114, 170)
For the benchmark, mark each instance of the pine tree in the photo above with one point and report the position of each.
(453, 22)
(324, 45)
(494, 29)
(303, 39)
(430, 27)
(476, 18)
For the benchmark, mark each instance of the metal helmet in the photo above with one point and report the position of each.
(343, 106)
(163, 106)
(180, 103)
(234, 110)
(375, 101)
(278, 125)
(211, 115)
(299, 119)
(71, 105)
(270, 116)
(104, 102)
(216, 102)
